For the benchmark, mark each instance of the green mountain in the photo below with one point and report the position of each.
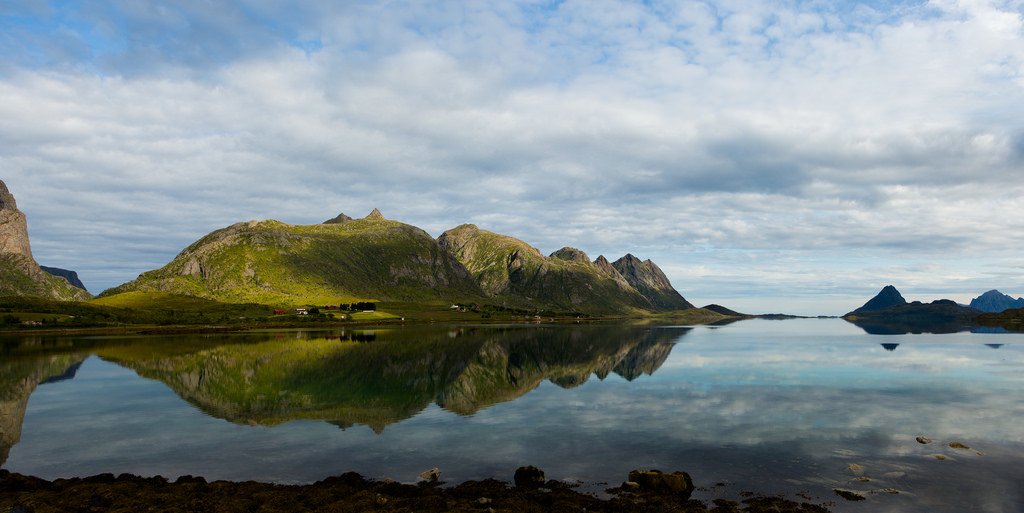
(512, 271)
(373, 258)
(20, 274)
(345, 259)
(515, 273)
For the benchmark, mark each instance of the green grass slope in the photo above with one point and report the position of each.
(270, 262)
(21, 276)
(513, 272)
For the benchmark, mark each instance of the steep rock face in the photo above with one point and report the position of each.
(886, 298)
(606, 267)
(647, 278)
(994, 301)
(271, 262)
(70, 276)
(20, 275)
(512, 270)
(13, 226)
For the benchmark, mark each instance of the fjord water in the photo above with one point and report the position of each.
(796, 407)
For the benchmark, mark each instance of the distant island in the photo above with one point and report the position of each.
(888, 313)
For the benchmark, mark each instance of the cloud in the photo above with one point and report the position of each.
(698, 133)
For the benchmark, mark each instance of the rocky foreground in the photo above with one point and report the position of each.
(646, 491)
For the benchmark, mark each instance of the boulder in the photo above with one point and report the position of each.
(529, 477)
(431, 476)
(657, 481)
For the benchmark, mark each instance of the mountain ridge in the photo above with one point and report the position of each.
(374, 258)
(509, 269)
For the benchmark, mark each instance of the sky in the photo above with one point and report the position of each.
(772, 156)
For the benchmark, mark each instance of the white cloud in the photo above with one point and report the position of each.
(706, 136)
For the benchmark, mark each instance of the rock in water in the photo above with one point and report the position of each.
(529, 477)
(431, 476)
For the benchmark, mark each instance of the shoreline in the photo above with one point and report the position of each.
(176, 329)
(651, 491)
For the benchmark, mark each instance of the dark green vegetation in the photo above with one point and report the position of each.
(347, 493)
(135, 308)
(342, 379)
(1011, 320)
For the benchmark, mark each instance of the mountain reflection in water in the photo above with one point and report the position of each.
(370, 378)
(765, 406)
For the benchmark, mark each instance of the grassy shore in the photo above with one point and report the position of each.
(154, 312)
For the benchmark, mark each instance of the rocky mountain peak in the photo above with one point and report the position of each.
(341, 218)
(995, 302)
(885, 298)
(13, 226)
(375, 215)
(6, 198)
(647, 278)
(629, 259)
(571, 255)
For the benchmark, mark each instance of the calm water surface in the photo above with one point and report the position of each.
(790, 407)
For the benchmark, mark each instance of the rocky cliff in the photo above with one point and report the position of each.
(648, 279)
(13, 226)
(20, 275)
